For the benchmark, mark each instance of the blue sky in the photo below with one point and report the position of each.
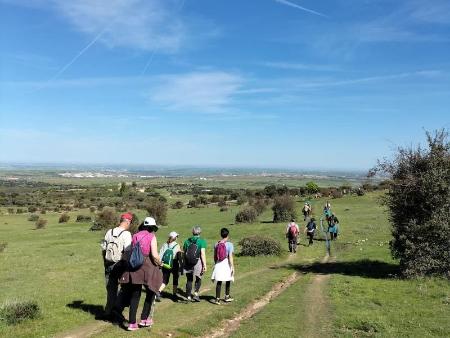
(300, 84)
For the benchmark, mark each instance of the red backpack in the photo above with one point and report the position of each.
(293, 231)
(220, 252)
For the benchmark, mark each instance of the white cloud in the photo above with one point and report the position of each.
(197, 92)
(294, 5)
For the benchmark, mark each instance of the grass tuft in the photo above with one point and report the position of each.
(14, 311)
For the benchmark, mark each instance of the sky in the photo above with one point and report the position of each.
(331, 84)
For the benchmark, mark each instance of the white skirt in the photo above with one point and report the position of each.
(222, 272)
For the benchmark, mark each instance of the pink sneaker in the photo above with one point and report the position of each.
(133, 327)
(146, 322)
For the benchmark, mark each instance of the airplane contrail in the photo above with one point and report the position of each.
(291, 4)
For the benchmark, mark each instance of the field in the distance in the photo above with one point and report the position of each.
(356, 294)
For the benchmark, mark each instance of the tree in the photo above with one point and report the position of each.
(158, 210)
(418, 201)
(283, 209)
(312, 188)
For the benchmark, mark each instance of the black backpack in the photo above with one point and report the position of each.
(192, 254)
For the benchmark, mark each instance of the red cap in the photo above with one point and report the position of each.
(127, 216)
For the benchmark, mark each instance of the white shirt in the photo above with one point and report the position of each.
(124, 240)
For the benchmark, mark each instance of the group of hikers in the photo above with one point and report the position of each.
(134, 263)
(293, 230)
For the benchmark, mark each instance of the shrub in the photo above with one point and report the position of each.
(106, 219)
(223, 209)
(336, 194)
(312, 187)
(14, 312)
(259, 246)
(11, 211)
(193, 203)
(242, 200)
(40, 224)
(260, 205)
(158, 210)
(33, 218)
(43, 212)
(19, 211)
(222, 203)
(32, 209)
(177, 205)
(83, 219)
(134, 224)
(3, 246)
(283, 209)
(418, 201)
(92, 209)
(64, 218)
(246, 215)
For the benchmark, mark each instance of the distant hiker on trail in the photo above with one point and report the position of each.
(292, 231)
(144, 271)
(306, 211)
(194, 262)
(224, 266)
(310, 230)
(115, 250)
(170, 255)
(327, 213)
(333, 227)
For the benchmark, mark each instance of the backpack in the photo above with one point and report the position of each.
(114, 248)
(293, 232)
(168, 256)
(192, 254)
(220, 252)
(137, 257)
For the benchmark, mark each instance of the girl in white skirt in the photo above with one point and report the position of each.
(224, 267)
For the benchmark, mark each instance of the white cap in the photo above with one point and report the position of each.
(149, 221)
(173, 234)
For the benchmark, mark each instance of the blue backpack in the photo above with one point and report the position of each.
(137, 257)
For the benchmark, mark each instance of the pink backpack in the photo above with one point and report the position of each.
(220, 252)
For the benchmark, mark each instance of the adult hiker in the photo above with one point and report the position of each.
(333, 227)
(292, 231)
(310, 230)
(170, 255)
(116, 246)
(327, 213)
(224, 266)
(194, 262)
(144, 271)
(306, 211)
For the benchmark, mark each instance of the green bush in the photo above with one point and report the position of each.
(14, 312)
(92, 209)
(177, 205)
(106, 219)
(260, 205)
(157, 209)
(40, 224)
(64, 218)
(33, 218)
(32, 209)
(259, 246)
(83, 219)
(246, 215)
(223, 209)
(312, 187)
(11, 211)
(19, 211)
(418, 201)
(283, 209)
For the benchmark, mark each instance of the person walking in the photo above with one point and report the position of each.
(310, 230)
(224, 266)
(292, 231)
(194, 249)
(116, 246)
(170, 255)
(333, 228)
(147, 276)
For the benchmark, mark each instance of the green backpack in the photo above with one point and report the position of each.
(168, 256)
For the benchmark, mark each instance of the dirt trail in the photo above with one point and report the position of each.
(316, 304)
(96, 327)
(227, 327)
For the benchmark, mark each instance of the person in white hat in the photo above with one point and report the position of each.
(170, 255)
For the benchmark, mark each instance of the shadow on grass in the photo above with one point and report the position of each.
(95, 310)
(361, 268)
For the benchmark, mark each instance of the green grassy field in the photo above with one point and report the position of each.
(60, 267)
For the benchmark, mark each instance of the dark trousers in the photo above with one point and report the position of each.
(112, 275)
(310, 236)
(136, 290)
(292, 244)
(190, 279)
(166, 276)
(219, 289)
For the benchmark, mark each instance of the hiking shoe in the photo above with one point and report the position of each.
(158, 297)
(132, 327)
(216, 301)
(196, 298)
(146, 322)
(228, 299)
(189, 299)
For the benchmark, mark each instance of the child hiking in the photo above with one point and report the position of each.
(170, 255)
(224, 266)
(292, 231)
